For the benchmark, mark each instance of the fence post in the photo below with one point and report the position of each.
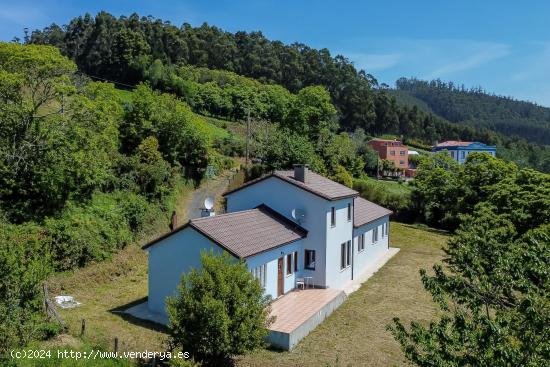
(116, 344)
(45, 288)
(83, 328)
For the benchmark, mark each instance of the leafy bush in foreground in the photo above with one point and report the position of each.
(220, 310)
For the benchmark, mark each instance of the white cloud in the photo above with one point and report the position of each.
(374, 62)
(470, 57)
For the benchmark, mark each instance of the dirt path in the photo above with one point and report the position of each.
(212, 188)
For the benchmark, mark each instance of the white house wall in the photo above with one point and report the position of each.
(372, 251)
(340, 233)
(271, 258)
(283, 197)
(169, 259)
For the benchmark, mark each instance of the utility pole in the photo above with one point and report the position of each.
(247, 135)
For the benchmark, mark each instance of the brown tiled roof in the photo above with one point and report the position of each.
(245, 233)
(315, 183)
(249, 232)
(365, 212)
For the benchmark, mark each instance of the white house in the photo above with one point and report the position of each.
(285, 225)
(459, 150)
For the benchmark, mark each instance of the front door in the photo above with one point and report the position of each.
(280, 284)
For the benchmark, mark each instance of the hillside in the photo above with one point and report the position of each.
(477, 108)
(206, 61)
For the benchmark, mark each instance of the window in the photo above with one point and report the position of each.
(361, 243)
(349, 211)
(260, 273)
(289, 264)
(375, 235)
(401, 162)
(392, 152)
(332, 217)
(462, 154)
(348, 260)
(295, 254)
(309, 259)
(345, 255)
(386, 228)
(402, 152)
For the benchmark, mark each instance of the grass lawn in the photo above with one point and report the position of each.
(104, 289)
(390, 187)
(355, 334)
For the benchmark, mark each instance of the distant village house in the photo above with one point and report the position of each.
(459, 150)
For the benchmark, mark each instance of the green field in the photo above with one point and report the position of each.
(355, 334)
(389, 186)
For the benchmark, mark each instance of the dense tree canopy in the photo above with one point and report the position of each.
(132, 49)
(476, 107)
(494, 287)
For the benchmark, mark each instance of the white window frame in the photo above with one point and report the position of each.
(289, 262)
(332, 217)
(345, 255)
(260, 273)
(375, 235)
(361, 243)
(311, 265)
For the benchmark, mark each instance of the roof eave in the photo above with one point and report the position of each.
(370, 221)
(164, 236)
(273, 248)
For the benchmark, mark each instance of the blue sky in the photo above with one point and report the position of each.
(504, 46)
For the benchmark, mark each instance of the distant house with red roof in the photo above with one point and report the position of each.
(459, 150)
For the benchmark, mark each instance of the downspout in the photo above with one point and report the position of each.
(388, 225)
(352, 245)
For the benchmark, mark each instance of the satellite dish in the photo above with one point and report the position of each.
(298, 214)
(209, 203)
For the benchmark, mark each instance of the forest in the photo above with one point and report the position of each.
(133, 49)
(476, 107)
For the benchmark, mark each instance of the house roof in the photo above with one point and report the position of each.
(315, 184)
(365, 212)
(454, 143)
(246, 233)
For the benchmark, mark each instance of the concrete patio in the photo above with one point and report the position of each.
(299, 312)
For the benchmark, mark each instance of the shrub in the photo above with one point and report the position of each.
(220, 310)
(24, 264)
(398, 199)
(84, 233)
(342, 176)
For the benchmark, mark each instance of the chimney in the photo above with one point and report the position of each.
(301, 172)
(173, 221)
